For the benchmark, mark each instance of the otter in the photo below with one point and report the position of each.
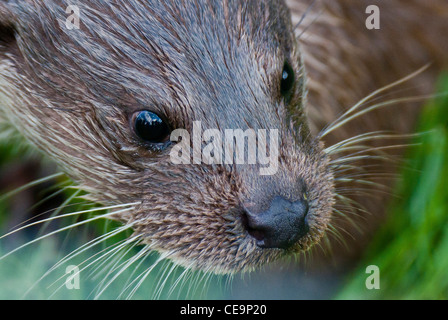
(102, 101)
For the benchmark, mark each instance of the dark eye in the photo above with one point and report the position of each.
(287, 82)
(150, 127)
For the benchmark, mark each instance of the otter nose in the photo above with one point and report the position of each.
(281, 226)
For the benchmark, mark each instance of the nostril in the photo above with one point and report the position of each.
(252, 228)
(281, 226)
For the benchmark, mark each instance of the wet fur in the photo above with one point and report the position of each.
(71, 92)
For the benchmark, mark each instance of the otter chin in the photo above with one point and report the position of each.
(103, 99)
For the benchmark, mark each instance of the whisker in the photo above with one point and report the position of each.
(146, 273)
(179, 279)
(132, 276)
(371, 136)
(116, 247)
(45, 213)
(337, 123)
(30, 185)
(102, 253)
(372, 176)
(336, 233)
(378, 106)
(165, 277)
(70, 215)
(305, 14)
(109, 267)
(318, 15)
(352, 203)
(58, 210)
(108, 215)
(351, 159)
(89, 245)
(125, 267)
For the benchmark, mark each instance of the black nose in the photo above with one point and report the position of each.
(281, 226)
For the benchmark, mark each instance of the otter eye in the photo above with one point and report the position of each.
(150, 127)
(287, 81)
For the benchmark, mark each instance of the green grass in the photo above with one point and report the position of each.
(411, 249)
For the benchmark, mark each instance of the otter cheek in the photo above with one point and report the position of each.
(279, 227)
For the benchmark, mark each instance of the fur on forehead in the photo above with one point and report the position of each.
(165, 41)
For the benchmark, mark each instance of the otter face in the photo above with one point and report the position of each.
(104, 100)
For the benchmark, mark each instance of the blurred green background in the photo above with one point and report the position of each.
(410, 249)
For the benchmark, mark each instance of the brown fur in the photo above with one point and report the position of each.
(71, 94)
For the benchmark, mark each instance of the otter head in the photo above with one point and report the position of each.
(107, 100)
